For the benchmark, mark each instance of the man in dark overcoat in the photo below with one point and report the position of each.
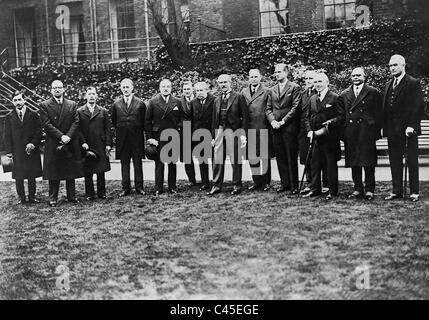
(164, 112)
(403, 111)
(324, 112)
(362, 107)
(62, 157)
(229, 129)
(187, 97)
(202, 117)
(256, 96)
(283, 114)
(22, 137)
(95, 126)
(128, 118)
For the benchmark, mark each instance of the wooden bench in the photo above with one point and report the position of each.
(382, 146)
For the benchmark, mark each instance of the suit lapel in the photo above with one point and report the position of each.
(400, 86)
(124, 106)
(186, 106)
(285, 89)
(133, 104)
(95, 113)
(204, 108)
(63, 107)
(247, 95)
(15, 116)
(362, 95)
(86, 111)
(258, 93)
(231, 99)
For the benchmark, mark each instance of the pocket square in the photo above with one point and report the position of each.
(176, 108)
(328, 105)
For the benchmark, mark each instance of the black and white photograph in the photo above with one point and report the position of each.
(242, 151)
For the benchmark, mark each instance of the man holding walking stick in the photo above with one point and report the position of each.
(403, 110)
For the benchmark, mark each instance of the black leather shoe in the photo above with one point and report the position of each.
(254, 187)
(369, 196)
(173, 191)
(282, 189)
(393, 196)
(90, 198)
(102, 197)
(191, 184)
(52, 204)
(158, 193)
(312, 194)
(124, 193)
(355, 195)
(204, 187)
(267, 187)
(305, 190)
(235, 191)
(33, 201)
(329, 197)
(213, 191)
(22, 201)
(140, 192)
(294, 192)
(325, 190)
(74, 201)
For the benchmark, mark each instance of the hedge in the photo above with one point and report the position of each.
(332, 50)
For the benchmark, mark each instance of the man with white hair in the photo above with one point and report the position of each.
(128, 118)
(324, 121)
(201, 118)
(403, 110)
(62, 156)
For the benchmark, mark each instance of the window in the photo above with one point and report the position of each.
(274, 17)
(73, 39)
(25, 37)
(339, 13)
(123, 29)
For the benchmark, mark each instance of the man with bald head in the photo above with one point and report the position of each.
(164, 112)
(229, 127)
(403, 110)
(128, 118)
(62, 156)
(362, 108)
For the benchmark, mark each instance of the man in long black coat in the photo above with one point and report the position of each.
(362, 107)
(283, 114)
(324, 111)
(187, 97)
(95, 126)
(164, 111)
(403, 110)
(22, 136)
(259, 153)
(202, 117)
(229, 130)
(128, 118)
(62, 157)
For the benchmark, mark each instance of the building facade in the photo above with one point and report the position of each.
(102, 31)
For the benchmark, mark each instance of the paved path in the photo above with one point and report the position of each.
(382, 172)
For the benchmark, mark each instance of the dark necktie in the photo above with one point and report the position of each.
(395, 84)
(20, 115)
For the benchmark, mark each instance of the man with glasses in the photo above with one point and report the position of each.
(62, 157)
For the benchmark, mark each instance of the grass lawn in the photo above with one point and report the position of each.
(189, 246)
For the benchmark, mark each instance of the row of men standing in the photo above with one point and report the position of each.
(296, 118)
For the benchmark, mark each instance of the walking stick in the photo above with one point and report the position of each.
(307, 161)
(406, 169)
